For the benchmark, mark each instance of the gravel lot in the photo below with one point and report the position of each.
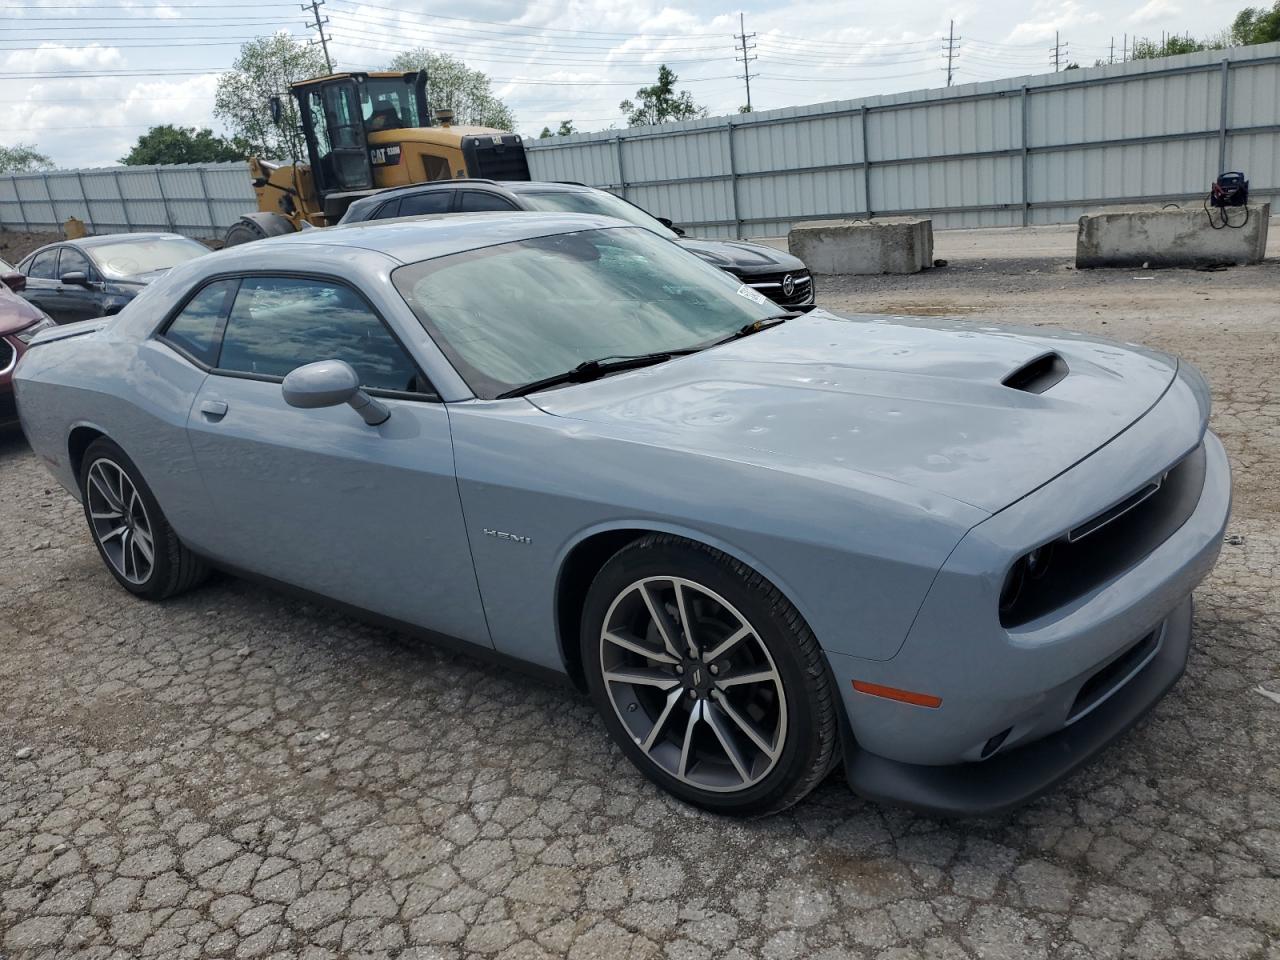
(237, 774)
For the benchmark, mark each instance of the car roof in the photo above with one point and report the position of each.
(411, 239)
(105, 238)
(515, 186)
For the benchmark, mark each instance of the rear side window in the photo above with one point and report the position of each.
(277, 324)
(197, 330)
(473, 201)
(429, 201)
(387, 210)
(44, 265)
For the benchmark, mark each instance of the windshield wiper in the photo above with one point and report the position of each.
(594, 369)
(755, 326)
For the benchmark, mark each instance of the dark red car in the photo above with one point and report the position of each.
(19, 322)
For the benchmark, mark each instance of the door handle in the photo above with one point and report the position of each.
(213, 410)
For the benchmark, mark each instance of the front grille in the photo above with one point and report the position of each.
(773, 285)
(1105, 545)
(1114, 675)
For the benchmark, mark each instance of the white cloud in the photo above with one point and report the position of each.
(1155, 10)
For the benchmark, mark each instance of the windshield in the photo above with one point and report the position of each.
(132, 258)
(598, 202)
(509, 315)
(389, 103)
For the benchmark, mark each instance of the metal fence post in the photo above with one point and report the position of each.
(1222, 118)
(866, 163)
(208, 202)
(733, 180)
(124, 206)
(84, 195)
(48, 194)
(1026, 200)
(622, 173)
(22, 211)
(164, 201)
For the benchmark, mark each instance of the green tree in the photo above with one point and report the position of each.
(22, 158)
(566, 128)
(452, 85)
(265, 68)
(660, 103)
(1256, 25)
(1171, 47)
(169, 144)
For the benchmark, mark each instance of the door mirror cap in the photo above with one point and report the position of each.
(75, 277)
(328, 383)
(14, 281)
(666, 222)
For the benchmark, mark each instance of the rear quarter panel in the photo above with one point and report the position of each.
(136, 394)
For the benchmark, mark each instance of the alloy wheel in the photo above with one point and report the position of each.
(119, 521)
(693, 684)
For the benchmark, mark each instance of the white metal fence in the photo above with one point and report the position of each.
(1028, 150)
(199, 200)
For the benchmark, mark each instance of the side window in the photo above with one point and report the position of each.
(279, 323)
(473, 201)
(73, 260)
(44, 265)
(429, 201)
(198, 328)
(387, 210)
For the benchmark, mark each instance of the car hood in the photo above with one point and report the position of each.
(16, 313)
(917, 401)
(742, 258)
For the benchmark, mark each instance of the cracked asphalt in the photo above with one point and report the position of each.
(239, 774)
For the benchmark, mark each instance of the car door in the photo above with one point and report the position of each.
(78, 301)
(367, 515)
(42, 283)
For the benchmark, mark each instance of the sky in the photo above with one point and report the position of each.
(82, 82)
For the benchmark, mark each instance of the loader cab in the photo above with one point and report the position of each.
(342, 117)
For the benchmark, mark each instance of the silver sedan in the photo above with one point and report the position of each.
(958, 560)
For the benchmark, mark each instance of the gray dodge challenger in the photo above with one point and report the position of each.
(957, 559)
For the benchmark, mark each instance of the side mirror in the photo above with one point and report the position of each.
(75, 277)
(666, 222)
(14, 281)
(276, 108)
(328, 383)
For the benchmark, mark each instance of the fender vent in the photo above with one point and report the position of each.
(1038, 375)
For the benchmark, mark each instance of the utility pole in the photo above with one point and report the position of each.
(314, 6)
(952, 52)
(1124, 54)
(1111, 58)
(1059, 51)
(747, 56)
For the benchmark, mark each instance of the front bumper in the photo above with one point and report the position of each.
(1011, 779)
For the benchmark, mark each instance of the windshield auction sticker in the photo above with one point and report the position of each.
(752, 294)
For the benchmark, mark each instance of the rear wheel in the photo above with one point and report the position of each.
(256, 227)
(708, 678)
(130, 531)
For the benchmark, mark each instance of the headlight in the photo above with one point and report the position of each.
(27, 335)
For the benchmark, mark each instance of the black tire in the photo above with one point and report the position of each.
(172, 568)
(803, 746)
(256, 227)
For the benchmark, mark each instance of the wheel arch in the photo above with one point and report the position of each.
(78, 441)
(586, 554)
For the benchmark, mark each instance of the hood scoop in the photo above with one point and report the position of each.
(1038, 375)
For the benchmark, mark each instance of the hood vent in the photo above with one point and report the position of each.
(1038, 375)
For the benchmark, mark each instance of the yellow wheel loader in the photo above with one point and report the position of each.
(366, 132)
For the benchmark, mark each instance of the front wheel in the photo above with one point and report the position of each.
(708, 678)
(130, 531)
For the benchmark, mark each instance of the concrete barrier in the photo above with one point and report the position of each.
(1172, 238)
(853, 246)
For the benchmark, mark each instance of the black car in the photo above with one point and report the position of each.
(96, 276)
(779, 276)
